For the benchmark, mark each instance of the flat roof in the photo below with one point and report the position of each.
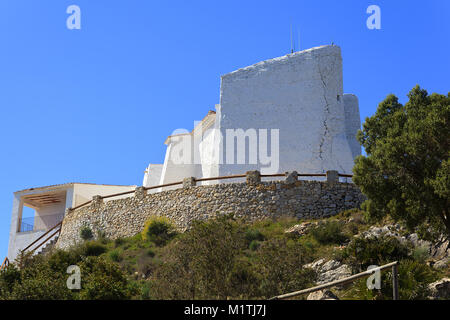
(71, 184)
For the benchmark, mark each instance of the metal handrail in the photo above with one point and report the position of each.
(39, 222)
(5, 264)
(354, 277)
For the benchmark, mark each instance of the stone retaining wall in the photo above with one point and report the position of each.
(252, 199)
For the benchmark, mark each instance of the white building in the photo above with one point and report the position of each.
(284, 114)
(49, 205)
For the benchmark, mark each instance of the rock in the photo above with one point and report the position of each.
(441, 264)
(322, 295)
(440, 289)
(385, 231)
(329, 271)
(441, 249)
(316, 265)
(341, 272)
(300, 229)
(330, 265)
(416, 242)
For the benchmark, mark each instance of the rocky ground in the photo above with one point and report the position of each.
(329, 270)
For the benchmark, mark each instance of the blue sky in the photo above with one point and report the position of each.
(96, 104)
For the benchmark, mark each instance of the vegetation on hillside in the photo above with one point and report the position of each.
(224, 258)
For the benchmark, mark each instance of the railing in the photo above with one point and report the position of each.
(54, 230)
(352, 278)
(57, 228)
(39, 222)
(26, 224)
(209, 179)
(5, 264)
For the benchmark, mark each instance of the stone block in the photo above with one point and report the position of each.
(332, 176)
(291, 177)
(140, 192)
(189, 182)
(253, 177)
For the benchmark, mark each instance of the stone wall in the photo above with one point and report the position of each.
(252, 200)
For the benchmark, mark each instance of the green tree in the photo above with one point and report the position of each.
(406, 171)
(200, 263)
(103, 280)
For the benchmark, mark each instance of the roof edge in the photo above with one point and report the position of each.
(71, 184)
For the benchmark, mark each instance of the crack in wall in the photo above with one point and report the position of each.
(326, 130)
(327, 112)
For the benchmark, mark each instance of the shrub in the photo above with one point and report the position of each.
(413, 277)
(254, 245)
(101, 236)
(353, 228)
(329, 232)
(8, 278)
(103, 280)
(115, 255)
(361, 253)
(93, 248)
(36, 279)
(59, 260)
(118, 242)
(244, 280)
(159, 230)
(199, 264)
(41, 283)
(145, 291)
(253, 235)
(86, 233)
(420, 254)
(280, 262)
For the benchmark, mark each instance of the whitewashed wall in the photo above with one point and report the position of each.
(85, 192)
(300, 94)
(75, 194)
(152, 176)
(352, 123)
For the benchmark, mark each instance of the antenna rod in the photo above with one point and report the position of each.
(292, 41)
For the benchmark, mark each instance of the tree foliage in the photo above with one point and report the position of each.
(406, 171)
(212, 261)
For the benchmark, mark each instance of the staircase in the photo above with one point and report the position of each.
(49, 245)
(46, 241)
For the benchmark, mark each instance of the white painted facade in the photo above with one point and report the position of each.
(293, 108)
(297, 98)
(49, 205)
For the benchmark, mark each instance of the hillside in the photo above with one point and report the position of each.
(227, 258)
